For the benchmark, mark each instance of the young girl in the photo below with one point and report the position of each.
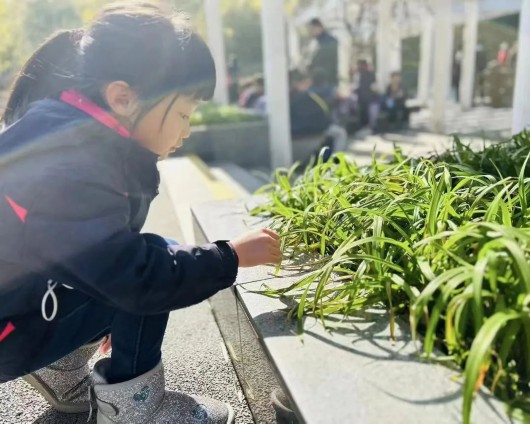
(89, 116)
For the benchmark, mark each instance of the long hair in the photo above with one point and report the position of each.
(47, 72)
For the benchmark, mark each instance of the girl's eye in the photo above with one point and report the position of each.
(185, 117)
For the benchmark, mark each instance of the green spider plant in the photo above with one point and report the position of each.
(445, 241)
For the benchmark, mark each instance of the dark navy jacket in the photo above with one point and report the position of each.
(73, 197)
(327, 57)
(309, 114)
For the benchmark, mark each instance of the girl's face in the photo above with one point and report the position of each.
(163, 129)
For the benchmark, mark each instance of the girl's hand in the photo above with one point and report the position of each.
(258, 247)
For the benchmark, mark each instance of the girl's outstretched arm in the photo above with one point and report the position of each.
(77, 234)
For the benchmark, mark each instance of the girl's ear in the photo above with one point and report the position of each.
(122, 99)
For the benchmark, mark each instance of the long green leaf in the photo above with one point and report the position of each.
(479, 355)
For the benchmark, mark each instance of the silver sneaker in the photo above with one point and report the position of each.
(145, 400)
(65, 384)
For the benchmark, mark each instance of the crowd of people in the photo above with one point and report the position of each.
(367, 107)
(316, 107)
(316, 103)
(368, 104)
(506, 57)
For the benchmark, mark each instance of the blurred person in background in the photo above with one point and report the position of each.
(326, 58)
(367, 96)
(310, 116)
(394, 101)
(252, 93)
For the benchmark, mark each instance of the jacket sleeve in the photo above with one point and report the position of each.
(77, 234)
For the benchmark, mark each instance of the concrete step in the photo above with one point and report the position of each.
(241, 180)
(190, 181)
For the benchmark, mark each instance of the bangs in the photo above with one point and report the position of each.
(156, 55)
(193, 70)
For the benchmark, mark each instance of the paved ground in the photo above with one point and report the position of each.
(475, 127)
(478, 120)
(194, 356)
(411, 143)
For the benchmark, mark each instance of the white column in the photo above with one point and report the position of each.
(345, 49)
(426, 57)
(214, 24)
(467, 82)
(295, 48)
(443, 61)
(395, 61)
(344, 66)
(276, 81)
(388, 44)
(521, 103)
(384, 42)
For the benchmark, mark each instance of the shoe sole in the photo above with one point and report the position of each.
(44, 390)
(103, 419)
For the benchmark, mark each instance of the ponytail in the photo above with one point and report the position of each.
(49, 71)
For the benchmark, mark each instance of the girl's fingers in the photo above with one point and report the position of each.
(276, 259)
(276, 244)
(271, 233)
(275, 252)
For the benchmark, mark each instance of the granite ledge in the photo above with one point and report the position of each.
(353, 374)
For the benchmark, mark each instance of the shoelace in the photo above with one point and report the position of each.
(50, 293)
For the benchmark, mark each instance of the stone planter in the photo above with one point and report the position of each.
(354, 374)
(245, 144)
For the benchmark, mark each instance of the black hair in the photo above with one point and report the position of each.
(362, 62)
(259, 81)
(316, 23)
(46, 73)
(155, 53)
